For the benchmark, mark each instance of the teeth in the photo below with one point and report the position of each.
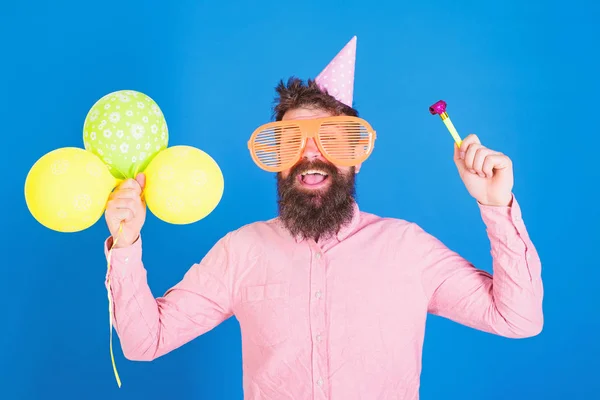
(314, 171)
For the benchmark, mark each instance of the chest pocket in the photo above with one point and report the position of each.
(265, 313)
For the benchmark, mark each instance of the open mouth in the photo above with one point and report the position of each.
(313, 179)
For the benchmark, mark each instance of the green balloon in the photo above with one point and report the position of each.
(126, 129)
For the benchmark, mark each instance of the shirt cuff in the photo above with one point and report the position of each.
(503, 218)
(124, 260)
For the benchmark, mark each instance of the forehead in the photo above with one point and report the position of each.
(305, 113)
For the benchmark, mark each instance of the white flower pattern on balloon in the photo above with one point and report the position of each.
(137, 131)
(174, 204)
(198, 177)
(59, 167)
(114, 117)
(93, 169)
(127, 128)
(167, 173)
(196, 202)
(82, 202)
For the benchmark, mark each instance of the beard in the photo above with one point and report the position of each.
(318, 213)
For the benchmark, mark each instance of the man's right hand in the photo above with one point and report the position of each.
(126, 204)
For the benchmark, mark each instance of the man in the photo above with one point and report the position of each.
(332, 301)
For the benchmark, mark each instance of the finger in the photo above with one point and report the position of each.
(141, 180)
(467, 142)
(458, 161)
(457, 151)
(125, 194)
(497, 161)
(131, 204)
(488, 167)
(471, 138)
(479, 159)
(131, 184)
(116, 209)
(470, 156)
(123, 215)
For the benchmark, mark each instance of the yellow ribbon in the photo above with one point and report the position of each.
(110, 301)
(110, 307)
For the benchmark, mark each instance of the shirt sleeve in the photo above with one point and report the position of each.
(150, 327)
(507, 302)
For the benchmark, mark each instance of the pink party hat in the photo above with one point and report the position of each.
(338, 77)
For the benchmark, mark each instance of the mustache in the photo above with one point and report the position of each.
(304, 165)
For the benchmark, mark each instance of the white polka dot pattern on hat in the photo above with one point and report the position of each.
(338, 77)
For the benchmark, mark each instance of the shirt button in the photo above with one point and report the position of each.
(126, 260)
(320, 382)
(318, 256)
(319, 338)
(318, 294)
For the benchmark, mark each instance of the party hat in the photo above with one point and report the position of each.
(338, 77)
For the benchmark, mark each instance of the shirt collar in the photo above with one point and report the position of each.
(349, 228)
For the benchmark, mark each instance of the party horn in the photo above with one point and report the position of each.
(440, 109)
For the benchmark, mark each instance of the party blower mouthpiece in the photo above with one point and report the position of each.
(439, 108)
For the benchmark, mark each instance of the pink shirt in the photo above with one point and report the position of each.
(341, 319)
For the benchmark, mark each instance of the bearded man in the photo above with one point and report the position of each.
(331, 300)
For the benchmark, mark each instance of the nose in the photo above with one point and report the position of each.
(311, 151)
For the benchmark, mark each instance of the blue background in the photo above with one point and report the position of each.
(522, 75)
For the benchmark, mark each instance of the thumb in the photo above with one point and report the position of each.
(460, 163)
(141, 180)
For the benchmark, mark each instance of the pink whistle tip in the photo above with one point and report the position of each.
(438, 108)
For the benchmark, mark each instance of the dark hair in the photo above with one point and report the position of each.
(299, 94)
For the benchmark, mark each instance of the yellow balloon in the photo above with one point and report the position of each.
(66, 189)
(183, 185)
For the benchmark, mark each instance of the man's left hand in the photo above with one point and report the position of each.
(487, 174)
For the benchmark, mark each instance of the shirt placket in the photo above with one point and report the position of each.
(318, 323)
